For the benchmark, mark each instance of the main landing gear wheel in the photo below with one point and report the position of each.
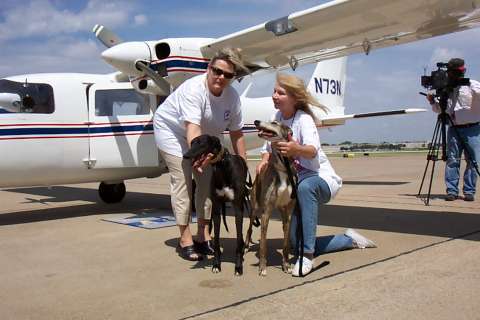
(112, 193)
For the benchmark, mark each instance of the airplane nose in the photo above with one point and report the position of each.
(124, 55)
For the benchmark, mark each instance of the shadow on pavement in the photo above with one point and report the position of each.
(375, 183)
(134, 202)
(431, 223)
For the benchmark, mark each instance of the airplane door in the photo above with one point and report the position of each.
(120, 127)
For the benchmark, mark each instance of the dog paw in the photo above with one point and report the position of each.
(263, 273)
(216, 269)
(287, 268)
(239, 270)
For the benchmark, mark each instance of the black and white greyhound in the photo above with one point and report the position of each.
(229, 177)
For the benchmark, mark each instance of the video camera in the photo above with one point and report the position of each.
(440, 80)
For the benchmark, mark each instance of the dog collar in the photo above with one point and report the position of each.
(218, 157)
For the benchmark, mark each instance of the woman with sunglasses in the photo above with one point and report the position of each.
(317, 181)
(205, 104)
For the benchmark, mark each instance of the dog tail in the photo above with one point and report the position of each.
(247, 201)
(248, 207)
(224, 215)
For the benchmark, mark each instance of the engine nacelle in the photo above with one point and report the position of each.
(180, 57)
(175, 59)
(145, 85)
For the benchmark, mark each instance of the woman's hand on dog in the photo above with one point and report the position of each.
(261, 166)
(263, 163)
(292, 149)
(288, 149)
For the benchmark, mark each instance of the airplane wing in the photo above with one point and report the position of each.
(343, 27)
(334, 120)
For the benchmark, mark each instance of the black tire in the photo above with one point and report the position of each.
(112, 193)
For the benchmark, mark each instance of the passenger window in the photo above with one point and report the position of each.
(25, 97)
(120, 102)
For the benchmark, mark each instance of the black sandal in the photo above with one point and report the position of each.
(205, 247)
(188, 253)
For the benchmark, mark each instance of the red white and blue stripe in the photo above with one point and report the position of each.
(183, 64)
(83, 130)
(74, 130)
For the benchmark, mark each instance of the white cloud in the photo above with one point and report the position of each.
(140, 19)
(62, 54)
(44, 19)
(445, 54)
(81, 49)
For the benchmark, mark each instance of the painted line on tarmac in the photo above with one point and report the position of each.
(331, 275)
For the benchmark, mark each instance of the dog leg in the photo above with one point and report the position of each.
(248, 238)
(216, 267)
(240, 243)
(286, 220)
(263, 241)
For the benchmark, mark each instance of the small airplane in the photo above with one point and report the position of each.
(68, 128)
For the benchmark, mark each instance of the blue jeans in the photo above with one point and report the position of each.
(312, 192)
(471, 138)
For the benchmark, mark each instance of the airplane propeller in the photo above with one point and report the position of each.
(120, 57)
(106, 36)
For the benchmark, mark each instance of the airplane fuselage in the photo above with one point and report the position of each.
(87, 128)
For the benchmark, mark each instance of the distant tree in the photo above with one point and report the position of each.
(346, 142)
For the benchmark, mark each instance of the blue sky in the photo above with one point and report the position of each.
(55, 36)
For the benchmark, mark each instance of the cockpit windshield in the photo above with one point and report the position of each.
(25, 97)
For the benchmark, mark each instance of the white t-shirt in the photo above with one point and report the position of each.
(306, 133)
(193, 102)
(463, 104)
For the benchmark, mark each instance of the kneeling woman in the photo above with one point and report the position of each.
(318, 182)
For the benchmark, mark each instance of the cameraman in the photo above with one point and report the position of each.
(464, 110)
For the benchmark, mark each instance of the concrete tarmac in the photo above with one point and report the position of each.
(59, 260)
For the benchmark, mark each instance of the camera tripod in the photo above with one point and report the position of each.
(439, 140)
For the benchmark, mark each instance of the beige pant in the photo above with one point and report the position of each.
(181, 189)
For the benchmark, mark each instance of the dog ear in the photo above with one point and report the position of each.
(197, 147)
(215, 144)
(189, 154)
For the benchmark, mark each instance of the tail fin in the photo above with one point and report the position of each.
(327, 85)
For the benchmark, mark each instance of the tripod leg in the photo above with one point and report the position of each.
(432, 154)
(430, 185)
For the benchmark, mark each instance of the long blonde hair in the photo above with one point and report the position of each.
(297, 89)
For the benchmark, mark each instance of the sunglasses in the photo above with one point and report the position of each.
(218, 72)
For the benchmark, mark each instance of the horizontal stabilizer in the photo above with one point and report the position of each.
(340, 119)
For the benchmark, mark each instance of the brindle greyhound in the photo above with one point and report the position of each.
(228, 184)
(272, 189)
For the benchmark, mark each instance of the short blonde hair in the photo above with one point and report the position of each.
(232, 56)
(296, 88)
